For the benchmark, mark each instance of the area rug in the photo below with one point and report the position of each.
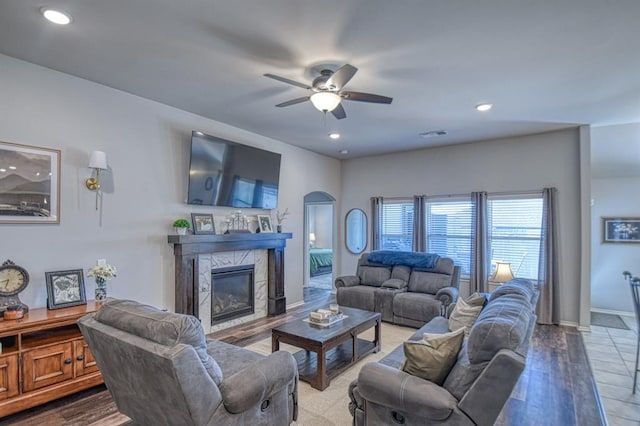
(331, 406)
(608, 320)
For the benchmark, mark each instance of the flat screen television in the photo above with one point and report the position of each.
(225, 173)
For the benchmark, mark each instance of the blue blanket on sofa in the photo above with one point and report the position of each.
(408, 258)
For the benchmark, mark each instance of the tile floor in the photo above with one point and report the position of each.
(612, 355)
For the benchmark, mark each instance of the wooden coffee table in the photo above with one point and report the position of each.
(328, 351)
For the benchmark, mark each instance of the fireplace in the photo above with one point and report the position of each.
(231, 293)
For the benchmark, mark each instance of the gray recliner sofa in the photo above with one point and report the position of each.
(401, 293)
(488, 367)
(160, 370)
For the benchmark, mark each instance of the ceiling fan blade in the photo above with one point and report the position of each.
(339, 112)
(366, 97)
(286, 80)
(293, 101)
(342, 76)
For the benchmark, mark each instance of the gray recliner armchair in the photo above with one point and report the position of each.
(160, 370)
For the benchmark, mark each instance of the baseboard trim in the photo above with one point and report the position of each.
(295, 305)
(569, 324)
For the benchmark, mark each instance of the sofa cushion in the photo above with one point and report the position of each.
(503, 324)
(165, 328)
(432, 357)
(428, 282)
(401, 272)
(520, 286)
(360, 297)
(416, 306)
(465, 313)
(373, 276)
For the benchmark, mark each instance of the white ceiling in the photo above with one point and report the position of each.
(544, 64)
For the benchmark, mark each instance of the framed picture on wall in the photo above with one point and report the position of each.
(264, 221)
(65, 288)
(203, 223)
(621, 229)
(29, 184)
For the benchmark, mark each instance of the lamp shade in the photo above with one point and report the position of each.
(325, 101)
(503, 273)
(98, 160)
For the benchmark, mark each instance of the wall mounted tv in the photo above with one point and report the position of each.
(225, 173)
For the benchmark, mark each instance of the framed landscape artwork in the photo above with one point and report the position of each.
(65, 288)
(621, 229)
(29, 184)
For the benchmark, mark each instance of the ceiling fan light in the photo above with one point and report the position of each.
(325, 101)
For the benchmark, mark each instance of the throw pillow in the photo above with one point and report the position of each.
(433, 357)
(465, 313)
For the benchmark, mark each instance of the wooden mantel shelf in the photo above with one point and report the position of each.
(186, 249)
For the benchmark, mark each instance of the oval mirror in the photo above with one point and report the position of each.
(356, 231)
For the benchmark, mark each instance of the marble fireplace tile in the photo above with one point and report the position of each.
(261, 265)
(222, 260)
(244, 257)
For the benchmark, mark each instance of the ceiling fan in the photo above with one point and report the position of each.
(327, 91)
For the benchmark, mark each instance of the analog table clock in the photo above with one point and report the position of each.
(13, 280)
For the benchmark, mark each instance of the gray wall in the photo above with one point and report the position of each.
(520, 163)
(147, 146)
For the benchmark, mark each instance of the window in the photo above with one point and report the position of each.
(515, 228)
(397, 225)
(449, 224)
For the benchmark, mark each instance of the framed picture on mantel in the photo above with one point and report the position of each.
(29, 184)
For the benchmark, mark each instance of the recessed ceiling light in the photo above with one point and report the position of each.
(12, 167)
(344, 151)
(3, 170)
(433, 134)
(334, 135)
(484, 107)
(56, 16)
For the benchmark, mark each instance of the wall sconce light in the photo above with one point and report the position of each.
(312, 239)
(502, 273)
(97, 161)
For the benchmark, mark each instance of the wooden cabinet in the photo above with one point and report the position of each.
(44, 357)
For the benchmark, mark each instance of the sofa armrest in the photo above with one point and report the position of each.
(393, 388)
(395, 283)
(347, 281)
(257, 382)
(447, 295)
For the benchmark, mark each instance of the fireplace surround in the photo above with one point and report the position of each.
(187, 248)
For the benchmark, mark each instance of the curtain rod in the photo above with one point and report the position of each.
(468, 194)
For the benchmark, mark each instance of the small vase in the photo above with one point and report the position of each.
(181, 231)
(279, 228)
(101, 289)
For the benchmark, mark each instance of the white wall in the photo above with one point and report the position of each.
(147, 145)
(609, 290)
(521, 163)
(615, 156)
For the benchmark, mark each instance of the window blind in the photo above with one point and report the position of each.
(514, 233)
(397, 225)
(449, 230)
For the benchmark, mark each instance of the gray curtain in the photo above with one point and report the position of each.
(376, 222)
(548, 277)
(479, 243)
(419, 223)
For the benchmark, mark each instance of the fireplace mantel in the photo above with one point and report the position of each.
(186, 249)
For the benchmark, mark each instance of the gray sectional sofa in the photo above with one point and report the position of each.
(488, 366)
(403, 287)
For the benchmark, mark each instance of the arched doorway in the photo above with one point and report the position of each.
(319, 238)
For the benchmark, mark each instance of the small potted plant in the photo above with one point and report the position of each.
(181, 226)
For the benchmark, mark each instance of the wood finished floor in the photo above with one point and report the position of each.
(556, 388)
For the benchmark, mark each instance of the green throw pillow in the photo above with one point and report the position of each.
(465, 312)
(433, 357)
